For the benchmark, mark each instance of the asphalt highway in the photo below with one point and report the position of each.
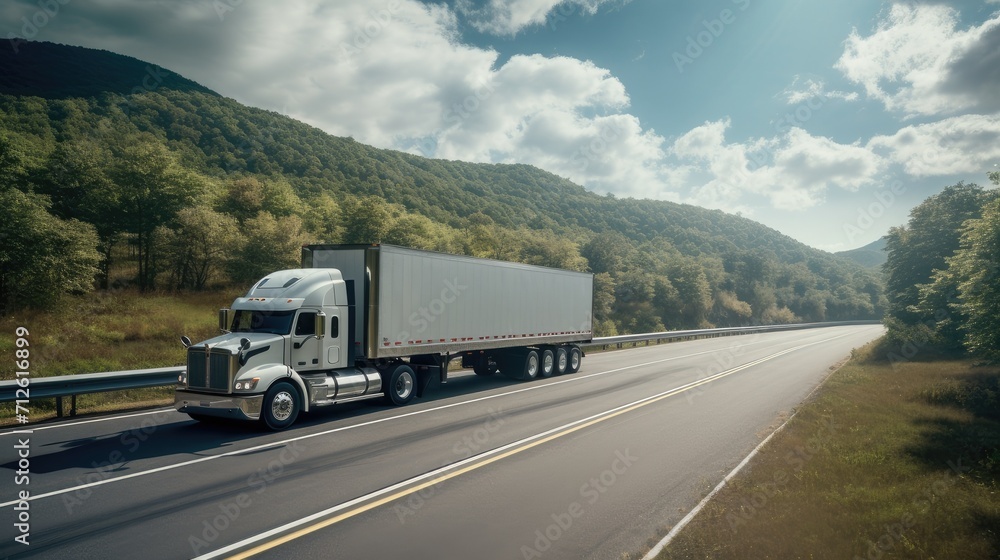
(593, 465)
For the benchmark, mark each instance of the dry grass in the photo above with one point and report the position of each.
(110, 331)
(884, 463)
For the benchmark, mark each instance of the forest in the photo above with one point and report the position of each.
(115, 172)
(942, 277)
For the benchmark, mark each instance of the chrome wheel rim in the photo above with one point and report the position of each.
(404, 385)
(282, 405)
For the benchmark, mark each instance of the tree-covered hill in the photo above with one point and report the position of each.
(872, 255)
(103, 139)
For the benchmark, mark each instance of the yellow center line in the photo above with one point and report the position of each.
(487, 461)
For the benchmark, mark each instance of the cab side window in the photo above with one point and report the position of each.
(306, 324)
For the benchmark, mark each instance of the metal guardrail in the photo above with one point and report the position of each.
(704, 333)
(61, 386)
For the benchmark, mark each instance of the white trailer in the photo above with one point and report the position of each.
(364, 321)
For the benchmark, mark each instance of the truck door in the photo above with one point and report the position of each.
(306, 348)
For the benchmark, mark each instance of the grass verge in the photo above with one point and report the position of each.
(887, 461)
(108, 331)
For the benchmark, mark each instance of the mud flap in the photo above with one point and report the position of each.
(427, 367)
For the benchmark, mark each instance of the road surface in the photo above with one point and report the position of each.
(587, 466)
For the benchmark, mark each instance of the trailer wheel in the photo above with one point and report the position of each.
(281, 406)
(575, 359)
(547, 365)
(484, 366)
(400, 386)
(562, 360)
(531, 366)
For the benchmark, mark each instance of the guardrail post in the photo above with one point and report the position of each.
(72, 406)
(59, 409)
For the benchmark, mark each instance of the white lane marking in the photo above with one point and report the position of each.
(652, 554)
(457, 467)
(353, 426)
(91, 421)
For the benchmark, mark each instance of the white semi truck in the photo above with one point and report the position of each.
(366, 321)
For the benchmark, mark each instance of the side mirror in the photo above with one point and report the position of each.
(320, 325)
(244, 344)
(186, 341)
(224, 320)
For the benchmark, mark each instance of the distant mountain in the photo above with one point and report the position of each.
(55, 94)
(872, 255)
(54, 71)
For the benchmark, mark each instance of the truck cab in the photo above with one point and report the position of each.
(284, 348)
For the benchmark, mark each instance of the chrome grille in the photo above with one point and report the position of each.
(212, 374)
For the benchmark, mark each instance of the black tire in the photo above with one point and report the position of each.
(281, 406)
(484, 366)
(546, 363)
(562, 360)
(575, 359)
(400, 385)
(529, 366)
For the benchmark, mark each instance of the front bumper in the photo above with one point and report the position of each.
(223, 406)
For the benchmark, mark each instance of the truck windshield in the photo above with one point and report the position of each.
(274, 322)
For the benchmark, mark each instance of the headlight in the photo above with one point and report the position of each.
(247, 385)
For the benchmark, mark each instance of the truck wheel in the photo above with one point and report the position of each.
(575, 359)
(562, 361)
(547, 365)
(400, 386)
(281, 406)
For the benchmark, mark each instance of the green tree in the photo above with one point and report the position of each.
(323, 219)
(367, 219)
(977, 265)
(149, 188)
(544, 248)
(268, 244)
(197, 247)
(246, 197)
(484, 238)
(78, 182)
(916, 250)
(41, 256)
(607, 252)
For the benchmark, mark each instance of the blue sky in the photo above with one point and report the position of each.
(827, 121)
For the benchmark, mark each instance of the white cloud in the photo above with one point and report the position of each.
(806, 89)
(919, 62)
(968, 144)
(793, 171)
(394, 75)
(508, 17)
